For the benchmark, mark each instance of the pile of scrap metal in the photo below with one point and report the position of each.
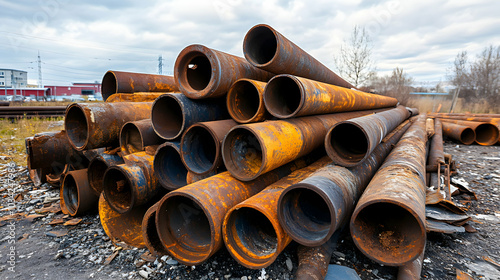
(232, 151)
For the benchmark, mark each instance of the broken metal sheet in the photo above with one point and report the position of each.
(445, 215)
(442, 227)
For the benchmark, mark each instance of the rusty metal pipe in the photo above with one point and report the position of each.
(130, 184)
(486, 133)
(76, 195)
(172, 113)
(96, 125)
(464, 134)
(314, 261)
(350, 142)
(251, 230)
(245, 101)
(129, 82)
(436, 153)
(266, 48)
(189, 219)
(411, 270)
(168, 166)
(388, 223)
(201, 145)
(98, 166)
(136, 97)
(288, 96)
(250, 150)
(136, 135)
(312, 210)
(150, 233)
(192, 177)
(202, 72)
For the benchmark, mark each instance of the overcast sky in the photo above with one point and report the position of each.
(80, 40)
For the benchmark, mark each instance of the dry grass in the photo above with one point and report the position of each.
(12, 135)
(426, 105)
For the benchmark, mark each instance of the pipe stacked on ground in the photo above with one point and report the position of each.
(136, 97)
(128, 82)
(350, 142)
(202, 72)
(168, 166)
(436, 153)
(150, 233)
(313, 209)
(136, 135)
(251, 230)
(268, 49)
(77, 197)
(288, 96)
(245, 101)
(388, 223)
(464, 134)
(98, 166)
(314, 261)
(486, 133)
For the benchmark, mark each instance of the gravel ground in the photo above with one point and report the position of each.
(31, 248)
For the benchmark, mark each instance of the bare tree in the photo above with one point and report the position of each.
(354, 61)
(486, 74)
(397, 85)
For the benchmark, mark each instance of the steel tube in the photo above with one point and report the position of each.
(411, 270)
(287, 96)
(245, 101)
(350, 142)
(96, 125)
(172, 113)
(251, 230)
(250, 150)
(98, 166)
(202, 72)
(266, 48)
(192, 177)
(201, 145)
(313, 209)
(168, 166)
(486, 133)
(189, 219)
(150, 233)
(136, 97)
(314, 261)
(136, 135)
(388, 223)
(130, 184)
(128, 82)
(464, 134)
(76, 195)
(436, 153)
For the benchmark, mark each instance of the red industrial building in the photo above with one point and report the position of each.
(52, 92)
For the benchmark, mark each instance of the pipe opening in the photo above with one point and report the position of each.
(70, 194)
(108, 85)
(467, 136)
(260, 45)
(244, 101)
(282, 97)
(242, 153)
(151, 234)
(131, 139)
(348, 142)
(95, 171)
(167, 117)
(199, 149)
(118, 190)
(388, 233)
(305, 215)
(486, 134)
(198, 70)
(253, 230)
(76, 125)
(185, 226)
(169, 168)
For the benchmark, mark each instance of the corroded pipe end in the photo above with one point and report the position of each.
(76, 126)
(252, 237)
(131, 140)
(283, 96)
(200, 149)
(98, 166)
(120, 184)
(185, 229)
(150, 234)
(167, 116)
(486, 134)
(193, 178)
(76, 194)
(168, 166)
(109, 85)
(242, 153)
(347, 144)
(468, 136)
(388, 233)
(245, 101)
(260, 45)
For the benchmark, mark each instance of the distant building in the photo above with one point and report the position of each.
(75, 89)
(11, 78)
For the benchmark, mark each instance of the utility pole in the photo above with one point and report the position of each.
(160, 65)
(40, 84)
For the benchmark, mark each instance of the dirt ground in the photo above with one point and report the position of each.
(31, 248)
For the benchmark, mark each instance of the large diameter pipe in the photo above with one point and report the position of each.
(436, 153)
(96, 125)
(251, 230)
(150, 233)
(486, 133)
(136, 135)
(189, 219)
(76, 195)
(202, 72)
(136, 97)
(128, 82)
(250, 150)
(350, 142)
(388, 223)
(288, 96)
(168, 166)
(98, 166)
(201, 145)
(312, 210)
(130, 184)
(266, 48)
(172, 113)
(464, 134)
(245, 101)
